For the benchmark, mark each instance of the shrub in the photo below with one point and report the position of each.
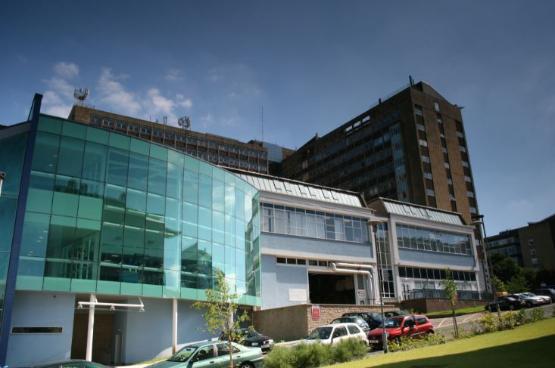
(315, 355)
(508, 321)
(488, 323)
(348, 350)
(521, 317)
(407, 343)
(311, 355)
(279, 358)
(537, 314)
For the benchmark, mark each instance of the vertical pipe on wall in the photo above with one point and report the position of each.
(90, 329)
(174, 326)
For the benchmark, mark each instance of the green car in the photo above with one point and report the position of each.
(213, 354)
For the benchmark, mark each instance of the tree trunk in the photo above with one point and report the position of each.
(455, 325)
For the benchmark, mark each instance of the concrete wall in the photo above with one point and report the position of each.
(433, 305)
(148, 333)
(279, 244)
(41, 309)
(295, 322)
(278, 279)
(434, 258)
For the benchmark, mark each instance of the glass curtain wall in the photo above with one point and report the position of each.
(116, 215)
(385, 269)
(12, 152)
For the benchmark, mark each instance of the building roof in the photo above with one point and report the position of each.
(413, 210)
(274, 184)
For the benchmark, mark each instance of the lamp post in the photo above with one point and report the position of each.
(479, 220)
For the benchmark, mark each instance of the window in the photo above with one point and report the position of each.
(36, 330)
(300, 222)
(436, 106)
(339, 332)
(418, 110)
(419, 238)
(353, 330)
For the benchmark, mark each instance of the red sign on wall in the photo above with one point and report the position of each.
(315, 312)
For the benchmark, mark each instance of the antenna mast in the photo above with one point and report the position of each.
(262, 121)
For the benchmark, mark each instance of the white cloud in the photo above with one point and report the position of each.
(184, 102)
(55, 105)
(174, 75)
(114, 94)
(66, 70)
(58, 97)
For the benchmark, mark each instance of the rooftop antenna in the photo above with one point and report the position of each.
(411, 81)
(80, 95)
(262, 122)
(165, 120)
(184, 122)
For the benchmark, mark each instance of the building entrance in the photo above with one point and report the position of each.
(103, 337)
(331, 289)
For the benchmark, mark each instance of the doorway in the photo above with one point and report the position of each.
(103, 337)
(331, 288)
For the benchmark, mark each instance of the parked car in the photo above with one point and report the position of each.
(505, 303)
(546, 292)
(74, 363)
(332, 334)
(395, 313)
(546, 299)
(213, 354)
(396, 327)
(372, 319)
(529, 300)
(353, 319)
(251, 337)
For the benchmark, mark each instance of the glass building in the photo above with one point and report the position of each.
(111, 215)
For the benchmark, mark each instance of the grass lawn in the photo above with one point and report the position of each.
(458, 312)
(531, 345)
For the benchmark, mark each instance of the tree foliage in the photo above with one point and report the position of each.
(220, 311)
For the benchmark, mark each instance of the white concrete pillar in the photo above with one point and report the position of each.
(90, 330)
(174, 326)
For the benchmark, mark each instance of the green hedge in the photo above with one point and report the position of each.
(315, 355)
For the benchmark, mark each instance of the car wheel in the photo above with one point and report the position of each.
(246, 365)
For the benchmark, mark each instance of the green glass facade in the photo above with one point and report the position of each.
(110, 214)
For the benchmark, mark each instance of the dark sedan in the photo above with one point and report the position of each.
(505, 303)
(373, 320)
(252, 338)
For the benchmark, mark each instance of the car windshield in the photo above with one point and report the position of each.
(392, 323)
(321, 333)
(528, 294)
(183, 354)
(253, 333)
(342, 320)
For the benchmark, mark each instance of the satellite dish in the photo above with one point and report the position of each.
(184, 122)
(80, 94)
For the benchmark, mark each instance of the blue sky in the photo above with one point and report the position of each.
(312, 65)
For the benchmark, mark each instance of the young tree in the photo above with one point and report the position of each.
(451, 291)
(220, 311)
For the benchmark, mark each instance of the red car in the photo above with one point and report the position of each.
(395, 327)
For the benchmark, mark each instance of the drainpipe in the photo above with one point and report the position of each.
(174, 326)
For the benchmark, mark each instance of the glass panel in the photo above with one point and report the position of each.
(157, 176)
(118, 161)
(71, 156)
(94, 163)
(45, 156)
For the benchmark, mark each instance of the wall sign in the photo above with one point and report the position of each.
(315, 312)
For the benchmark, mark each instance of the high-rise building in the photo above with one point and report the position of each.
(209, 147)
(531, 246)
(410, 147)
